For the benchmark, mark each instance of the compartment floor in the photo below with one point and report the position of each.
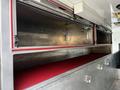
(27, 78)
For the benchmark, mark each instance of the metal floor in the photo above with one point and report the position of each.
(116, 85)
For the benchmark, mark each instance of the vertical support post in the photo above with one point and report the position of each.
(13, 21)
(94, 35)
(6, 56)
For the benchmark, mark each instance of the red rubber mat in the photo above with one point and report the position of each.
(27, 78)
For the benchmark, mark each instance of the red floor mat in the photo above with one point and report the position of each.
(28, 78)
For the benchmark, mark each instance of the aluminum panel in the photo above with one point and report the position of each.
(6, 58)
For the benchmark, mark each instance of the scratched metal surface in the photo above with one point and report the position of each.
(35, 28)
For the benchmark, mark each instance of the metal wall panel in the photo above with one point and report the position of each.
(6, 58)
(36, 28)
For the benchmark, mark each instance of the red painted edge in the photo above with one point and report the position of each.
(47, 48)
(11, 24)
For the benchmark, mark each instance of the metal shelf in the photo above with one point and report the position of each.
(23, 50)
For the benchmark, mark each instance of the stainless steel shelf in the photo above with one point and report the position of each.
(22, 50)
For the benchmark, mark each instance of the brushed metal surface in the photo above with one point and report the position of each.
(6, 58)
(116, 85)
(37, 28)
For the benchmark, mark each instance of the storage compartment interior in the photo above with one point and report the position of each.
(104, 36)
(34, 68)
(37, 27)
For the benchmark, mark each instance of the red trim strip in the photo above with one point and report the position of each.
(47, 48)
(11, 23)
